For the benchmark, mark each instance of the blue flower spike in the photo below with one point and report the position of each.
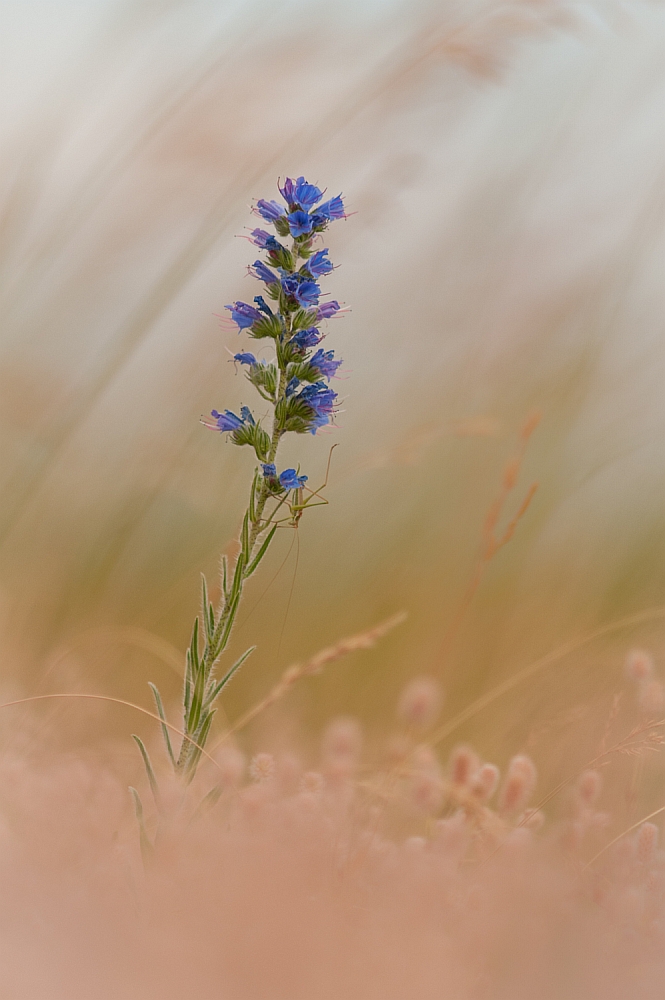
(295, 398)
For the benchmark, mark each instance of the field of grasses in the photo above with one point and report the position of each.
(440, 773)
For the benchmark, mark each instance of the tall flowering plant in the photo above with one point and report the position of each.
(295, 383)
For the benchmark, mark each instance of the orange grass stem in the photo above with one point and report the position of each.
(649, 614)
(645, 819)
(490, 544)
(115, 701)
(363, 640)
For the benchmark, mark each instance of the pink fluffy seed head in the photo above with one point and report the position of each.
(518, 786)
(588, 787)
(342, 739)
(262, 767)
(646, 842)
(312, 782)
(427, 793)
(639, 665)
(486, 782)
(420, 702)
(463, 766)
(651, 698)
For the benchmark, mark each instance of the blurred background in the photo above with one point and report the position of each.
(505, 166)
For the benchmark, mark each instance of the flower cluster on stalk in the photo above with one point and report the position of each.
(297, 382)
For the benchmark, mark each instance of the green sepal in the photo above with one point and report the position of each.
(303, 318)
(254, 435)
(294, 414)
(281, 257)
(303, 371)
(265, 377)
(267, 326)
(160, 711)
(282, 226)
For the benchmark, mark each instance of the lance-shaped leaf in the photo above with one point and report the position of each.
(217, 687)
(146, 843)
(262, 551)
(154, 787)
(200, 739)
(160, 711)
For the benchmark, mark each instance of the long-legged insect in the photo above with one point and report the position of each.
(296, 508)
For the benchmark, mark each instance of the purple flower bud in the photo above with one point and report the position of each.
(332, 209)
(290, 479)
(263, 273)
(318, 264)
(246, 415)
(245, 358)
(243, 314)
(306, 293)
(321, 401)
(291, 387)
(306, 338)
(261, 238)
(261, 303)
(227, 421)
(328, 309)
(323, 361)
(269, 210)
(269, 470)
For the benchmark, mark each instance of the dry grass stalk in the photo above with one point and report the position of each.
(292, 674)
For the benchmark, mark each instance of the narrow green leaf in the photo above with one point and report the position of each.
(262, 551)
(216, 688)
(252, 496)
(188, 680)
(197, 702)
(209, 800)
(237, 577)
(225, 567)
(200, 739)
(194, 647)
(224, 638)
(146, 843)
(205, 604)
(245, 536)
(160, 711)
(148, 766)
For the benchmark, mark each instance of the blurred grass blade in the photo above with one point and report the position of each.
(160, 711)
(148, 766)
